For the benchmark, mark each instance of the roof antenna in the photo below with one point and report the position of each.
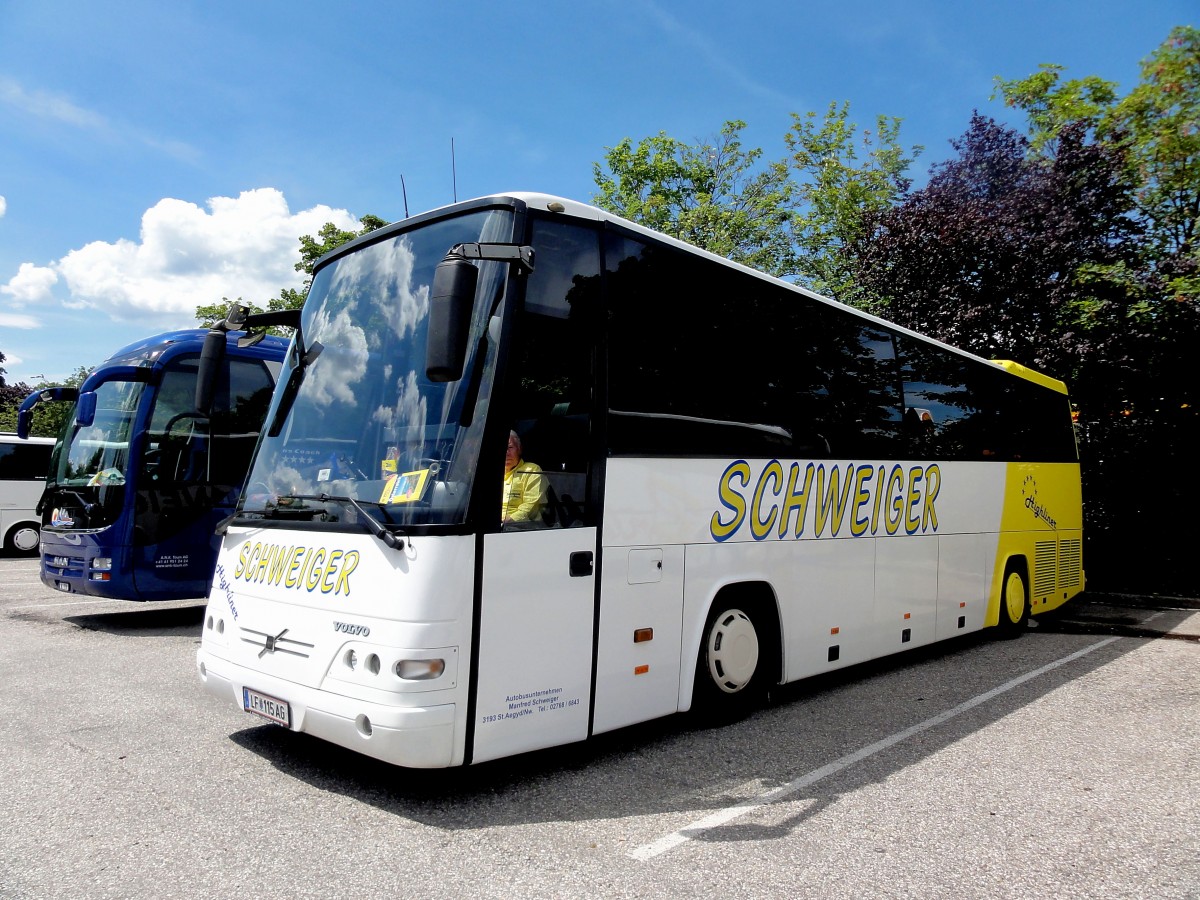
(404, 191)
(453, 171)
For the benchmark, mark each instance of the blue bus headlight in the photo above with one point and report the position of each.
(102, 563)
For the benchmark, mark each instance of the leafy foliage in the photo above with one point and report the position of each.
(707, 194)
(991, 254)
(837, 193)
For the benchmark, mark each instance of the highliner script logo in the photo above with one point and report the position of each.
(296, 568)
(1029, 493)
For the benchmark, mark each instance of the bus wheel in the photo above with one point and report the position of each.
(729, 672)
(1014, 603)
(22, 540)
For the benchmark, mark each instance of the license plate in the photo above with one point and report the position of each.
(269, 708)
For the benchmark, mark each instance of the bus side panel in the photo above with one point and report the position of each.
(847, 559)
(1042, 526)
(637, 666)
(905, 592)
(964, 561)
(825, 592)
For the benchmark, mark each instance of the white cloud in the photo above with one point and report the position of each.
(31, 284)
(243, 246)
(16, 320)
(3, 206)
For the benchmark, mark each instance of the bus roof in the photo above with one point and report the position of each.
(146, 350)
(576, 209)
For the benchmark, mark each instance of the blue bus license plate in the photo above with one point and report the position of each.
(269, 708)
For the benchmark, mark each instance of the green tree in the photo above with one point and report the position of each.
(330, 237)
(801, 216)
(843, 179)
(714, 194)
(1158, 126)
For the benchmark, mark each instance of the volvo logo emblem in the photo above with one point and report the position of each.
(269, 646)
(275, 643)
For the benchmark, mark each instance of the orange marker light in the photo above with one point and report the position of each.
(641, 635)
(640, 670)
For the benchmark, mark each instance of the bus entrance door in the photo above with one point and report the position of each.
(535, 643)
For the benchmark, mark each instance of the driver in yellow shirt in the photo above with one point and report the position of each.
(524, 486)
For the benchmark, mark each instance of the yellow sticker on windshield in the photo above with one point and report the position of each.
(404, 488)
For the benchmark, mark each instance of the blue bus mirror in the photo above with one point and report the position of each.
(85, 409)
(24, 421)
(42, 395)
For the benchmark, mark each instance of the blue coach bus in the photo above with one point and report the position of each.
(153, 457)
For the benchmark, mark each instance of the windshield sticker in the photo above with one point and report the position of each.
(404, 488)
(825, 501)
(107, 477)
(296, 568)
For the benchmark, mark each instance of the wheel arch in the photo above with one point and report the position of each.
(10, 535)
(1005, 563)
(752, 596)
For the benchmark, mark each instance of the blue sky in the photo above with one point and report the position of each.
(155, 155)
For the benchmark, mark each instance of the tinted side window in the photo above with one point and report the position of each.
(706, 361)
(185, 448)
(865, 410)
(945, 411)
(1034, 423)
(24, 462)
(551, 403)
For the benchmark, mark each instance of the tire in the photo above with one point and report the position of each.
(1014, 603)
(733, 663)
(22, 540)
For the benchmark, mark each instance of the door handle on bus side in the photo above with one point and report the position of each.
(581, 563)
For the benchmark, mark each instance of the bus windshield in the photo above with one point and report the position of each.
(356, 419)
(92, 460)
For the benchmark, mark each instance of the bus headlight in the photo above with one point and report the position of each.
(420, 669)
(103, 563)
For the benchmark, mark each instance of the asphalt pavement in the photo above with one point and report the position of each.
(1061, 764)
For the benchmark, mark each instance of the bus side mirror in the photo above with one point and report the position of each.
(450, 307)
(44, 395)
(211, 357)
(85, 409)
(24, 422)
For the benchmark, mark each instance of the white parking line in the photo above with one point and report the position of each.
(724, 816)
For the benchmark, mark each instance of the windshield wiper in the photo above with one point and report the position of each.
(369, 522)
(305, 358)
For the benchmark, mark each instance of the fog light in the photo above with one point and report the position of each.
(102, 562)
(350, 659)
(420, 669)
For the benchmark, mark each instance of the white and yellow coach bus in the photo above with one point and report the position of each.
(725, 483)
